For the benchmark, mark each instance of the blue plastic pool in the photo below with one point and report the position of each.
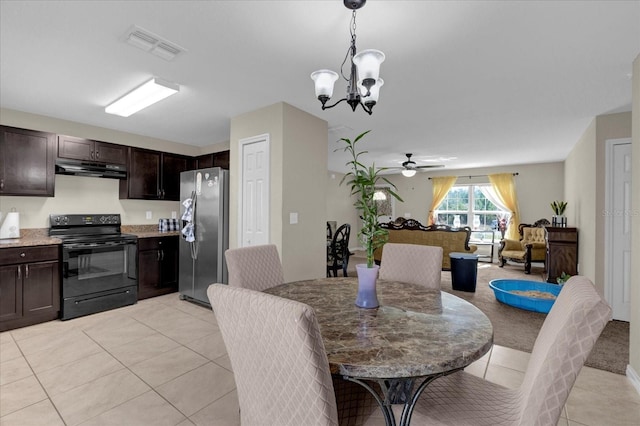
(502, 290)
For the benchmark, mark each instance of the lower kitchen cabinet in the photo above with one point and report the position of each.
(157, 266)
(29, 286)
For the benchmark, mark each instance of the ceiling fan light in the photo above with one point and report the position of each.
(324, 81)
(408, 172)
(368, 64)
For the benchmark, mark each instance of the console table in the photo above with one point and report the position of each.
(562, 252)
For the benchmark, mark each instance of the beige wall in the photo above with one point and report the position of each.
(634, 346)
(298, 167)
(74, 194)
(340, 206)
(585, 180)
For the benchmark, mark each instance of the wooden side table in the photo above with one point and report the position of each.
(562, 252)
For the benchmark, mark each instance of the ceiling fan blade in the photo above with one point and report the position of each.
(434, 166)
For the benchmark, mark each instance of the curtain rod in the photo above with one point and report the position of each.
(475, 176)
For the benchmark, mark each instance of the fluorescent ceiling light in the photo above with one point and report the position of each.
(149, 93)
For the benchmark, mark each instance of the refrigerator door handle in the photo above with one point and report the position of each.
(194, 244)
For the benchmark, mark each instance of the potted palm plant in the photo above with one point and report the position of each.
(363, 181)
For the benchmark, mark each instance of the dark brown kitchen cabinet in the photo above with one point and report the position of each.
(562, 252)
(27, 162)
(29, 285)
(90, 150)
(154, 175)
(157, 266)
(217, 159)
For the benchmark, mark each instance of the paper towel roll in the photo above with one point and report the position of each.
(10, 226)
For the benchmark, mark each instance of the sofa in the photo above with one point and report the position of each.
(410, 231)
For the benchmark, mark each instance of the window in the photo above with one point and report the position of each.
(470, 205)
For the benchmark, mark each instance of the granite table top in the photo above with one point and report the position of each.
(416, 332)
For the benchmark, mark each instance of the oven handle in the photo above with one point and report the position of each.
(73, 246)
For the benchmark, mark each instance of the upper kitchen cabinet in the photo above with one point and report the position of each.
(27, 162)
(90, 150)
(217, 159)
(154, 175)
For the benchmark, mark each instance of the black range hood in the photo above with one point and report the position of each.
(86, 168)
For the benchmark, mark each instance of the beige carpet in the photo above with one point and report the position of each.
(517, 329)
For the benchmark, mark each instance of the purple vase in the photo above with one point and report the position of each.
(367, 297)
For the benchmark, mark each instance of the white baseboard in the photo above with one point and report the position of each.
(633, 377)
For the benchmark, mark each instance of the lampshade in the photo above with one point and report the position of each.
(324, 80)
(368, 63)
(141, 97)
(374, 92)
(408, 172)
(379, 196)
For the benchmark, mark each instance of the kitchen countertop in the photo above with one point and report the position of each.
(31, 237)
(40, 236)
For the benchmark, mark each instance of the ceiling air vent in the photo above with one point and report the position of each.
(152, 43)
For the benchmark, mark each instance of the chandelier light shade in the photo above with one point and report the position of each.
(363, 82)
(141, 97)
(408, 172)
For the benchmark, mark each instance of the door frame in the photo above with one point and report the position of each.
(241, 145)
(608, 222)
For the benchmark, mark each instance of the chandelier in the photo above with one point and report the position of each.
(363, 84)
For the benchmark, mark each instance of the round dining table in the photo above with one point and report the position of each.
(415, 336)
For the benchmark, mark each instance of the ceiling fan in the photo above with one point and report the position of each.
(409, 167)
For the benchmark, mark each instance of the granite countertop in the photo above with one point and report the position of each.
(40, 236)
(146, 231)
(31, 237)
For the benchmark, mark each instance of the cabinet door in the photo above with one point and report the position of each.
(41, 289)
(204, 161)
(221, 159)
(11, 291)
(27, 162)
(110, 153)
(75, 148)
(169, 266)
(148, 273)
(172, 166)
(144, 175)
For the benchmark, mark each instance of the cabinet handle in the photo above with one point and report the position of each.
(91, 155)
(23, 254)
(1, 183)
(97, 155)
(26, 271)
(158, 255)
(162, 256)
(19, 272)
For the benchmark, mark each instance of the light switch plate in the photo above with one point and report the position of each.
(293, 218)
(149, 215)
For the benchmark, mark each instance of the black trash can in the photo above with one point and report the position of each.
(464, 271)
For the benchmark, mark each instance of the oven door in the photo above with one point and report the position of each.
(98, 267)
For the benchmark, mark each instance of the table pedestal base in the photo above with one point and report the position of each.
(397, 391)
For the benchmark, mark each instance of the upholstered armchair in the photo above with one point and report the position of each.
(532, 246)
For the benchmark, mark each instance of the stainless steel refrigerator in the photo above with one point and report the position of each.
(204, 234)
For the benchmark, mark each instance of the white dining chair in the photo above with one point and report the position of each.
(412, 263)
(278, 358)
(255, 267)
(566, 338)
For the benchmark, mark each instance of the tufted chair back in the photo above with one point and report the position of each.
(536, 237)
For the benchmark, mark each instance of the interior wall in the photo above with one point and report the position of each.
(76, 194)
(294, 137)
(634, 332)
(610, 126)
(339, 206)
(537, 186)
(580, 187)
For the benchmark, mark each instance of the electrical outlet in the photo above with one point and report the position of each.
(149, 215)
(293, 218)
(174, 215)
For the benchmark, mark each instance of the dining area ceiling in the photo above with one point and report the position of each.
(466, 84)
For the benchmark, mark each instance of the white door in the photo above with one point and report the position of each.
(254, 191)
(619, 217)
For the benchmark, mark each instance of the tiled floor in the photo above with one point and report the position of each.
(163, 362)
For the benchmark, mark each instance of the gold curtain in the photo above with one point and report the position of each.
(441, 185)
(505, 188)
